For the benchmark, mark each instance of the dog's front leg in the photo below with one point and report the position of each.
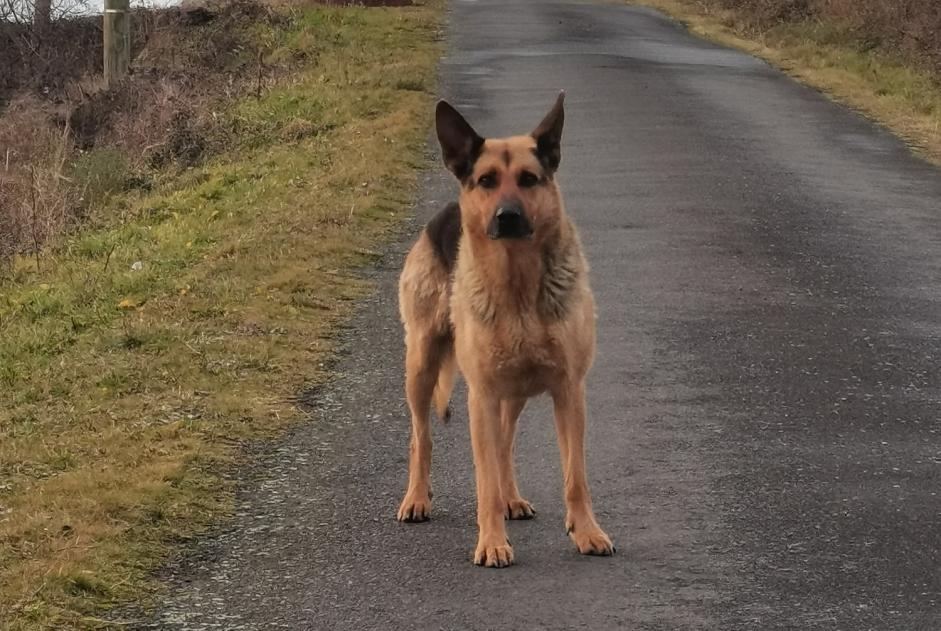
(493, 547)
(514, 504)
(580, 523)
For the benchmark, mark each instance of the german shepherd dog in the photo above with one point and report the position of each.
(497, 286)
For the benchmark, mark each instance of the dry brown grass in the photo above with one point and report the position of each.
(68, 143)
(910, 28)
(37, 197)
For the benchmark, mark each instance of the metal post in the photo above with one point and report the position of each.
(117, 43)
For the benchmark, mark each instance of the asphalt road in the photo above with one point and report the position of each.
(764, 434)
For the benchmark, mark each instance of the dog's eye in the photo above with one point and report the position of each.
(488, 180)
(528, 179)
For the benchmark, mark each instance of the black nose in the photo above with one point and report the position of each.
(509, 222)
(509, 210)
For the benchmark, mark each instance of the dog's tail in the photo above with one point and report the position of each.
(445, 384)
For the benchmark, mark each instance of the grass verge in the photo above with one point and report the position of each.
(830, 56)
(137, 356)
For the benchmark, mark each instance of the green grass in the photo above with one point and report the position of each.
(831, 56)
(125, 389)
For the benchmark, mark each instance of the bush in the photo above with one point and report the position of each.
(99, 173)
(68, 144)
(38, 199)
(911, 28)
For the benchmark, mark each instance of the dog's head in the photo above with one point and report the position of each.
(508, 189)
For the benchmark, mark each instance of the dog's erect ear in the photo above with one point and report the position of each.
(460, 144)
(548, 135)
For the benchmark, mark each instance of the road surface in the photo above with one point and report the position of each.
(764, 434)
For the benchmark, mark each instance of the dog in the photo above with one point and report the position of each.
(497, 287)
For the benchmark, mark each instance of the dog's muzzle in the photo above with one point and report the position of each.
(509, 222)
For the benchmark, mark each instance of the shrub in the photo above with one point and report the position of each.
(911, 28)
(67, 144)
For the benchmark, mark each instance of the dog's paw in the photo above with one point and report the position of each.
(518, 508)
(493, 555)
(591, 539)
(415, 507)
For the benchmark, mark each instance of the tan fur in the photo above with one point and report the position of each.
(518, 317)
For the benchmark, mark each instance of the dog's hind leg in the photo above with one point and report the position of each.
(516, 506)
(422, 363)
(580, 523)
(445, 383)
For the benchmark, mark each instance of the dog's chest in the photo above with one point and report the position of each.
(526, 354)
